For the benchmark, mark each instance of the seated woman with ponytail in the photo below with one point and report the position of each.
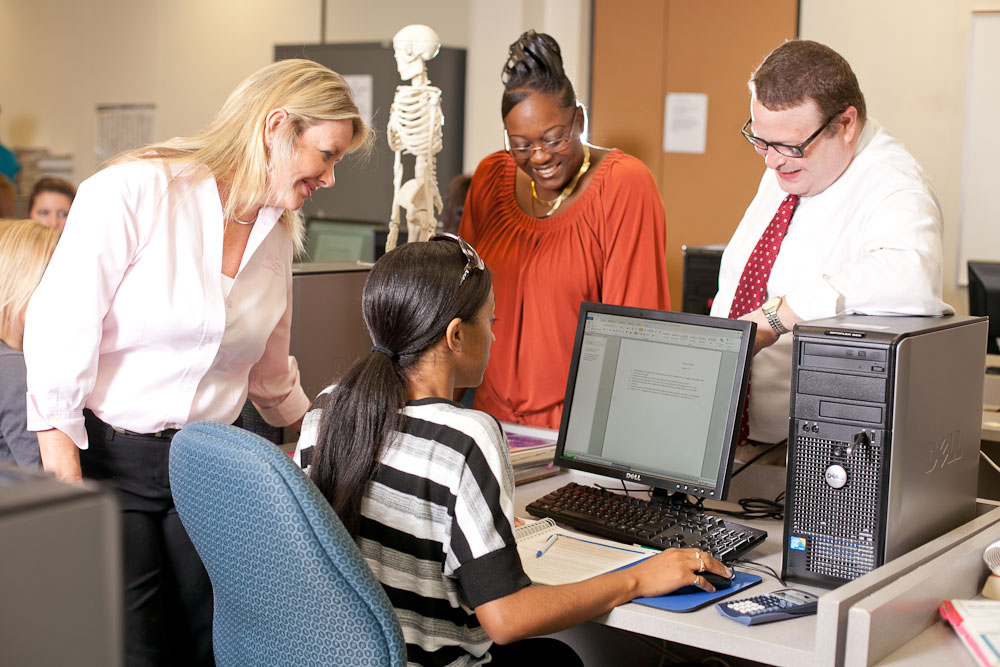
(425, 486)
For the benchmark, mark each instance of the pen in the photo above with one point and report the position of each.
(548, 543)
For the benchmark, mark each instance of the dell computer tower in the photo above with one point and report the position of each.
(883, 444)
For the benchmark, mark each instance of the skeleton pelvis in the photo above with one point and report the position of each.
(413, 196)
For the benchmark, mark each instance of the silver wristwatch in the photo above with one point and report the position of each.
(770, 310)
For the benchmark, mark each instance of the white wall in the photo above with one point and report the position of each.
(59, 59)
(910, 57)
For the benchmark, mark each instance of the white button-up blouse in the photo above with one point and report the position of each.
(133, 321)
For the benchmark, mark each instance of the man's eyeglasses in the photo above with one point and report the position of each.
(551, 147)
(474, 260)
(787, 150)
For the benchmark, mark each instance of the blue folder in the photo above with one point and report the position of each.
(690, 598)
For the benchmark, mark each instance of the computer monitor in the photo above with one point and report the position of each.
(700, 277)
(656, 397)
(330, 241)
(984, 298)
(61, 547)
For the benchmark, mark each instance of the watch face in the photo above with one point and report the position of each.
(772, 303)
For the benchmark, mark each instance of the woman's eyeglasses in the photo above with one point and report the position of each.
(524, 152)
(474, 260)
(550, 147)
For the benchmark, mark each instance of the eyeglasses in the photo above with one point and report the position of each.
(474, 260)
(787, 150)
(550, 147)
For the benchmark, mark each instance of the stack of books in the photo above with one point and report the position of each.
(977, 622)
(531, 457)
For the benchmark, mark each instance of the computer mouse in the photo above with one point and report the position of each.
(720, 582)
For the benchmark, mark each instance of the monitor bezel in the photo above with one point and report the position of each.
(371, 230)
(984, 297)
(721, 488)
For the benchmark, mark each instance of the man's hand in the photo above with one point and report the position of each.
(766, 335)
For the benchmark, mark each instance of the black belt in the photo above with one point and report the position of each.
(165, 433)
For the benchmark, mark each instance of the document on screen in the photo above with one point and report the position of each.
(664, 389)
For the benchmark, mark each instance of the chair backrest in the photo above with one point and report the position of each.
(290, 585)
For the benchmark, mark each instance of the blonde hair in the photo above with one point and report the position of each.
(233, 147)
(25, 249)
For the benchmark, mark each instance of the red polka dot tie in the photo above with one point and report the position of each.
(751, 291)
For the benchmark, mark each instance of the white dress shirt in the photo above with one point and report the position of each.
(131, 318)
(870, 243)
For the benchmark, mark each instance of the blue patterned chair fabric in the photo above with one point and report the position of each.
(291, 587)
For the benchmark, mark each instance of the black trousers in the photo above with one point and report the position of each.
(541, 651)
(168, 595)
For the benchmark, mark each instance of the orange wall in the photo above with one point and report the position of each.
(644, 49)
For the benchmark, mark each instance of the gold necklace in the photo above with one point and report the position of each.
(568, 190)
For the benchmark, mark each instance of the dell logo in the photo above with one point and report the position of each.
(633, 476)
(945, 452)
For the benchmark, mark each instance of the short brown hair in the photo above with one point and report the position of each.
(801, 70)
(51, 184)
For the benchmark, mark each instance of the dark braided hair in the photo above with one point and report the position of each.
(411, 295)
(535, 65)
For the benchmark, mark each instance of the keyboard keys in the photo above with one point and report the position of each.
(631, 519)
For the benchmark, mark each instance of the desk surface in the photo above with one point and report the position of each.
(785, 643)
(937, 645)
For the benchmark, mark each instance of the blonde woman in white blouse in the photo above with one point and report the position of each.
(170, 302)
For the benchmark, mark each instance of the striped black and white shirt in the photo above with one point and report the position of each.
(436, 526)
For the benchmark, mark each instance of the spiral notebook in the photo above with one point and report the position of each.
(569, 556)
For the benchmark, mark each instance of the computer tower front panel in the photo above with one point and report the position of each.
(838, 458)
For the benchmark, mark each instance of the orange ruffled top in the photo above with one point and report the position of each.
(607, 247)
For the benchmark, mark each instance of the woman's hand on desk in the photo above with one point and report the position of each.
(673, 569)
(539, 610)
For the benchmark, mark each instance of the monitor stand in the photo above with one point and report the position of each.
(664, 497)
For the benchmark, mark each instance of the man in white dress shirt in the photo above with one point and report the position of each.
(864, 235)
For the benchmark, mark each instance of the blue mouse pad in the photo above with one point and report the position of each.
(681, 601)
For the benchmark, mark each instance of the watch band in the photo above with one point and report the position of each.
(774, 321)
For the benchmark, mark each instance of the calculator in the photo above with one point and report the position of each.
(776, 606)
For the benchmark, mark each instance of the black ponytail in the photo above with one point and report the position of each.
(535, 65)
(410, 296)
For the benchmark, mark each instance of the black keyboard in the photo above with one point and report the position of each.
(633, 520)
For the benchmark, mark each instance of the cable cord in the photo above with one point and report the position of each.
(759, 568)
(989, 460)
(746, 464)
(752, 508)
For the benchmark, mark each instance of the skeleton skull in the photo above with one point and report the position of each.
(413, 46)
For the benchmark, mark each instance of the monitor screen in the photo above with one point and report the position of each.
(340, 241)
(984, 299)
(655, 397)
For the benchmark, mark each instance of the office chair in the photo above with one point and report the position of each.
(291, 587)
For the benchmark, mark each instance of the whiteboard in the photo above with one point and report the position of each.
(979, 212)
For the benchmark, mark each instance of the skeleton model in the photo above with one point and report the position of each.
(415, 122)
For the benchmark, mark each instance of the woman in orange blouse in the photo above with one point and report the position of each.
(559, 222)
